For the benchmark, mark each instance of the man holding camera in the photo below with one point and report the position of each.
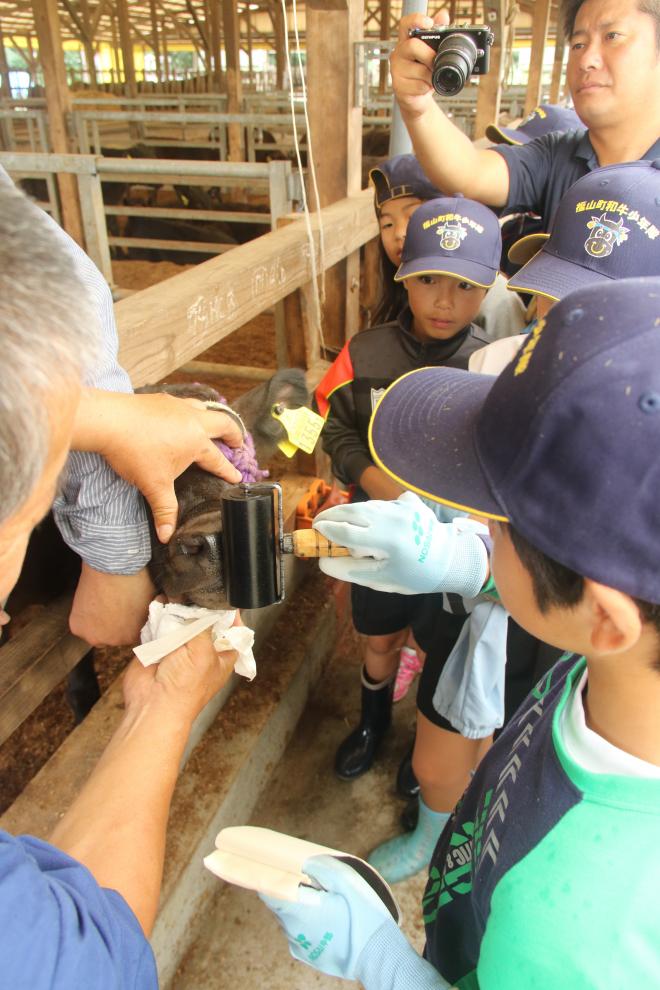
(613, 75)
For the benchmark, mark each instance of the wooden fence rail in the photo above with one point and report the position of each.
(275, 178)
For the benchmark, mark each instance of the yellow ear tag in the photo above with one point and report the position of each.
(303, 428)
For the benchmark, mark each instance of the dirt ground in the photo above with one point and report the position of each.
(239, 943)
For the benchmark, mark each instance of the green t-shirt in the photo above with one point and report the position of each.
(547, 876)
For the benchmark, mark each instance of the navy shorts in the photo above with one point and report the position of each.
(381, 613)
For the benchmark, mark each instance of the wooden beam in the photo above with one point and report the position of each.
(280, 28)
(210, 369)
(163, 327)
(540, 22)
(4, 68)
(385, 17)
(126, 41)
(34, 661)
(58, 101)
(233, 76)
(490, 85)
(216, 62)
(556, 87)
(155, 41)
(338, 163)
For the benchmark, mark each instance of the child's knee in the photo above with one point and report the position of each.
(382, 645)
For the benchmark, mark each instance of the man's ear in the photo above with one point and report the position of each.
(616, 624)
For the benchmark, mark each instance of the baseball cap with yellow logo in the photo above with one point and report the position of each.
(544, 119)
(453, 236)
(607, 226)
(560, 444)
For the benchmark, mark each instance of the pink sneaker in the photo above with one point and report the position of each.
(409, 668)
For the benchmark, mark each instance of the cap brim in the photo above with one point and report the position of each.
(550, 276)
(506, 135)
(422, 435)
(468, 271)
(524, 250)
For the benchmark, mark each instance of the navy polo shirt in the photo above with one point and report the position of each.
(541, 171)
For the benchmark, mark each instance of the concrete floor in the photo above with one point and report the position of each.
(240, 943)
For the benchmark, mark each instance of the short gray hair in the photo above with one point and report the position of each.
(48, 337)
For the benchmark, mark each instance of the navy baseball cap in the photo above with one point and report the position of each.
(452, 236)
(401, 176)
(542, 120)
(607, 226)
(564, 443)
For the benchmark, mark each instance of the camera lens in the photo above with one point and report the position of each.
(453, 63)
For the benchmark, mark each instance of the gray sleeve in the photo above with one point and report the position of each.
(100, 516)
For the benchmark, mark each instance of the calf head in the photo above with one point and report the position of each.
(189, 569)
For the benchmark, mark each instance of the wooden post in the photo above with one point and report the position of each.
(216, 78)
(558, 64)
(248, 19)
(155, 41)
(490, 85)
(233, 77)
(280, 28)
(385, 17)
(166, 55)
(58, 101)
(126, 41)
(4, 69)
(330, 83)
(540, 21)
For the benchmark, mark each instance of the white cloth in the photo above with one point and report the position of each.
(170, 626)
(493, 358)
(591, 751)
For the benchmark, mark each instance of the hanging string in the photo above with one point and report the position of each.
(318, 292)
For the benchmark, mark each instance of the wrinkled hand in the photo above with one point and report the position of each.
(149, 440)
(331, 935)
(411, 63)
(400, 546)
(184, 680)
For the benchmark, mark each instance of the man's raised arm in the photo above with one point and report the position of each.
(448, 157)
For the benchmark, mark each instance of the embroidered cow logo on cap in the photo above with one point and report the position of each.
(451, 234)
(606, 234)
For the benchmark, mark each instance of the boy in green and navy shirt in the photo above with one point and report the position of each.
(547, 874)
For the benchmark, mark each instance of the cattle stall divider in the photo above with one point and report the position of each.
(276, 178)
(161, 329)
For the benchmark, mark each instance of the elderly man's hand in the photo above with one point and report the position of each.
(183, 682)
(149, 440)
(411, 63)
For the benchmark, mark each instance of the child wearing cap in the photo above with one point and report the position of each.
(400, 186)
(607, 226)
(548, 872)
(450, 257)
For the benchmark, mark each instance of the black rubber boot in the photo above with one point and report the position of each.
(406, 781)
(356, 754)
(410, 815)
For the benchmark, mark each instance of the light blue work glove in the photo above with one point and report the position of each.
(400, 546)
(350, 933)
(331, 934)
